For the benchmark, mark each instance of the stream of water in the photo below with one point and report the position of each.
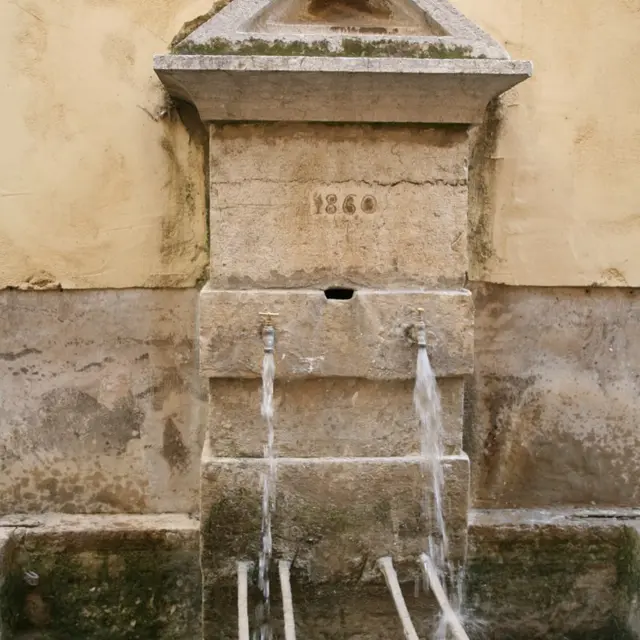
(268, 490)
(426, 400)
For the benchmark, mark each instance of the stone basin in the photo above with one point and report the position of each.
(552, 574)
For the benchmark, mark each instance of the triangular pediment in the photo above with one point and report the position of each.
(351, 28)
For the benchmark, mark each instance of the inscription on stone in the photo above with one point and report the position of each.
(343, 203)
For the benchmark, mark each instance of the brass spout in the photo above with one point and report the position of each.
(421, 330)
(268, 331)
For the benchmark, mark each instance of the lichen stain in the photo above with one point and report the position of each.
(185, 188)
(504, 399)
(121, 498)
(174, 451)
(40, 281)
(78, 419)
(482, 189)
(191, 25)
(613, 277)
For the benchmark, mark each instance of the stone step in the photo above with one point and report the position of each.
(555, 573)
(334, 516)
(327, 417)
(99, 576)
(371, 335)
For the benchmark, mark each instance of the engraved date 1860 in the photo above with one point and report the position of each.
(348, 204)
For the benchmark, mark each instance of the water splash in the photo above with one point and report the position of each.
(268, 488)
(426, 401)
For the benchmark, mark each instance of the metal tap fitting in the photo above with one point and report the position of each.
(421, 329)
(268, 331)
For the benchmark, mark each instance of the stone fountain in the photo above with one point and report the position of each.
(339, 146)
(339, 143)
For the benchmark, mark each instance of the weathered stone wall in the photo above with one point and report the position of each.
(103, 187)
(553, 406)
(102, 408)
(299, 211)
(99, 189)
(100, 577)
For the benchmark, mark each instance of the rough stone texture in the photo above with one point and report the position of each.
(102, 404)
(554, 574)
(7, 546)
(321, 89)
(327, 417)
(431, 20)
(102, 577)
(334, 516)
(370, 336)
(331, 611)
(555, 413)
(273, 223)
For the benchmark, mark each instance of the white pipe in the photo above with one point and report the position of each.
(431, 574)
(287, 600)
(391, 578)
(243, 600)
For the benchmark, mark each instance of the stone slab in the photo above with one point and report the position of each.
(7, 547)
(334, 516)
(349, 610)
(105, 577)
(318, 206)
(555, 409)
(327, 417)
(331, 89)
(430, 22)
(103, 409)
(553, 573)
(369, 336)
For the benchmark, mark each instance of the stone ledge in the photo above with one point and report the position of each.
(368, 336)
(230, 87)
(555, 573)
(101, 576)
(334, 516)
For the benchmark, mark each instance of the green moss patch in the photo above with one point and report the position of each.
(134, 593)
(350, 48)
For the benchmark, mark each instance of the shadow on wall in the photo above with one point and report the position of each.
(552, 413)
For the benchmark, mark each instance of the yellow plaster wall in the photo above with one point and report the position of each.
(564, 176)
(98, 189)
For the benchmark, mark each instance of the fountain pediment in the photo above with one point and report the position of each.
(339, 61)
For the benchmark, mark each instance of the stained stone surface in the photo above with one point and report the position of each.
(7, 546)
(102, 577)
(314, 205)
(321, 22)
(554, 416)
(369, 336)
(327, 417)
(327, 611)
(336, 516)
(554, 574)
(298, 88)
(102, 404)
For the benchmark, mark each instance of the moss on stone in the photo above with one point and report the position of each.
(190, 26)
(131, 594)
(351, 48)
(356, 48)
